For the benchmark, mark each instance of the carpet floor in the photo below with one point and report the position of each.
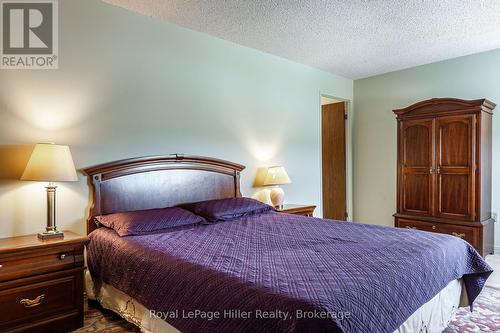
(484, 319)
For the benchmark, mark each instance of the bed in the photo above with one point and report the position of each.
(266, 272)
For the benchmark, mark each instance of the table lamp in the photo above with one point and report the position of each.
(50, 163)
(276, 175)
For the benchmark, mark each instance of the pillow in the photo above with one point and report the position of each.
(227, 209)
(141, 222)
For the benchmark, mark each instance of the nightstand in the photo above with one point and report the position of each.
(306, 210)
(41, 283)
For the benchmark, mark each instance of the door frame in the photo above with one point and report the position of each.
(348, 152)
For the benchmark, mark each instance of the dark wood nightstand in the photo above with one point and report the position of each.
(41, 283)
(306, 210)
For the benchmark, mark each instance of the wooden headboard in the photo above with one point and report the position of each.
(159, 181)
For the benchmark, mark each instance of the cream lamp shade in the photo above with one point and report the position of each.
(50, 162)
(276, 175)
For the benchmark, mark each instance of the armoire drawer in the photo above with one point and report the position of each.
(464, 232)
(418, 225)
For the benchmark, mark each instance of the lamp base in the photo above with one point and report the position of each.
(50, 234)
(277, 197)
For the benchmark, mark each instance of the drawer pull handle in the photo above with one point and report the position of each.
(1, 265)
(62, 256)
(458, 235)
(31, 303)
(433, 227)
(408, 227)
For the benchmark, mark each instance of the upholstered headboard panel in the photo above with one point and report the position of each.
(159, 181)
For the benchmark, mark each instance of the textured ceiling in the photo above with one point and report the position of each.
(353, 38)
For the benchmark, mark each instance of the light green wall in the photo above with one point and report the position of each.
(129, 85)
(374, 139)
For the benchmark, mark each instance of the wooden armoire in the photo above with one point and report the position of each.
(444, 169)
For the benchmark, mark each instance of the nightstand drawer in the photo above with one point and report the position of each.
(41, 284)
(29, 263)
(37, 301)
(304, 210)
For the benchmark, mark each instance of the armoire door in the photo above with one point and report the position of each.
(416, 167)
(455, 150)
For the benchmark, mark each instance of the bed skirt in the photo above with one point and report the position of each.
(432, 317)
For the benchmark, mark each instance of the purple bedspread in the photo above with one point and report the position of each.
(322, 275)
